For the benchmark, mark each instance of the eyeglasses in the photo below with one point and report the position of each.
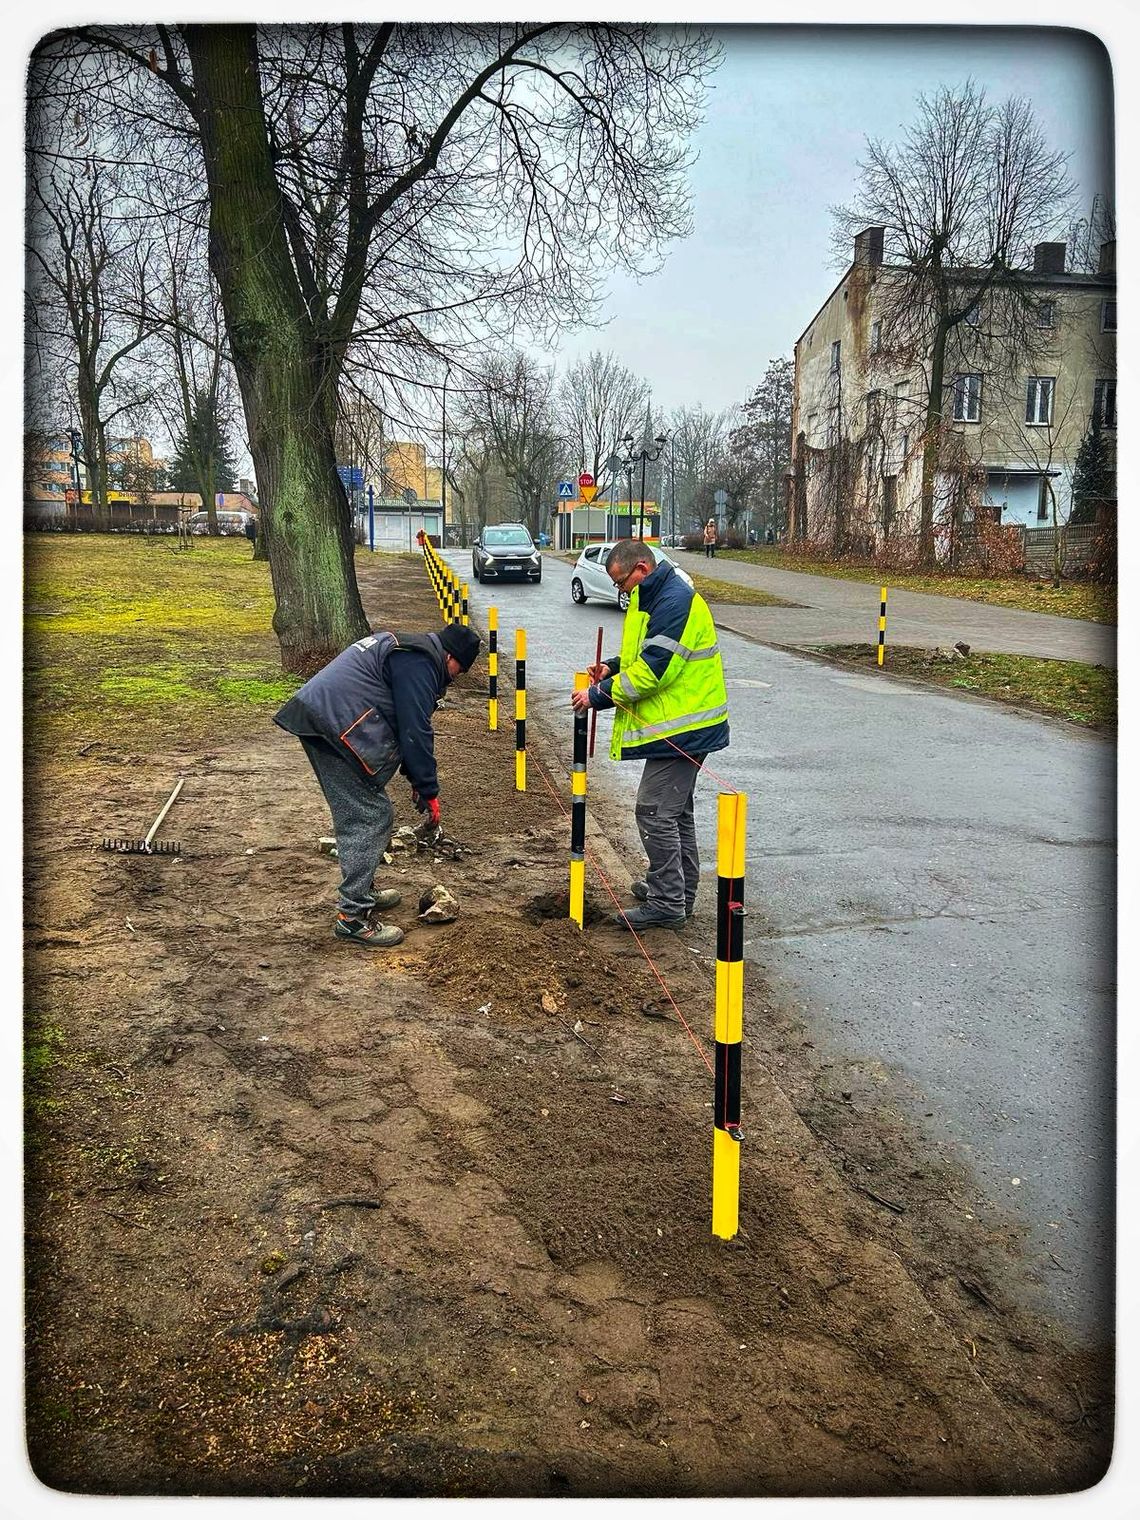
(619, 581)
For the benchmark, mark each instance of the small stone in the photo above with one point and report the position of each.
(549, 1002)
(437, 906)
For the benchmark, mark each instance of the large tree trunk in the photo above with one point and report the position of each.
(283, 381)
(931, 445)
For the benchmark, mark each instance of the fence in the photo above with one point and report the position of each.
(1076, 548)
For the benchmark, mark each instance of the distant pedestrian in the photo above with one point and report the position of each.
(710, 538)
(768, 538)
(672, 711)
(361, 718)
(250, 531)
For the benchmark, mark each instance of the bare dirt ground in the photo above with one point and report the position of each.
(307, 1219)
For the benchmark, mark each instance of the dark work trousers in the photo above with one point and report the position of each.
(664, 815)
(361, 815)
(710, 551)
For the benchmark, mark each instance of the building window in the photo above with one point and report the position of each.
(1104, 403)
(1039, 401)
(904, 447)
(1108, 316)
(876, 337)
(835, 357)
(874, 411)
(811, 425)
(967, 398)
(1046, 314)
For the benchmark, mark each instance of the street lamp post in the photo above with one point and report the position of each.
(647, 456)
(443, 470)
(673, 489)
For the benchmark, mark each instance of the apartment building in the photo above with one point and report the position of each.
(1018, 399)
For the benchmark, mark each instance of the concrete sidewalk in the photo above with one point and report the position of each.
(833, 611)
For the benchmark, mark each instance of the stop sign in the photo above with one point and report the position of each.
(585, 479)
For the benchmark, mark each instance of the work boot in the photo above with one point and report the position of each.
(640, 890)
(362, 931)
(388, 898)
(647, 918)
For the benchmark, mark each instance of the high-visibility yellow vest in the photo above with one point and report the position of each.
(688, 697)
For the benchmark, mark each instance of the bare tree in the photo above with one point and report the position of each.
(697, 444)
(1088, 234)
(513, 413)
(963, 198)
(86, 281)
(599, 402)
(380, 191)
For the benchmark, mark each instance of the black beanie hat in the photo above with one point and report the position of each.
(460, 642)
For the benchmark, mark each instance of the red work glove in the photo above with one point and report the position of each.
(430, 807)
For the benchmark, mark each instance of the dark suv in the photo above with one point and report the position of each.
(505, 549)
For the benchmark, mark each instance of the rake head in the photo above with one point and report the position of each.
(140, 847)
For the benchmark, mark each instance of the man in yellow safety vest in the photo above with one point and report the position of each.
(672, 711)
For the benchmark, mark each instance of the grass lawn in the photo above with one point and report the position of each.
(1084, 694)
(128, 637)
(732, 595)
(1072, 599)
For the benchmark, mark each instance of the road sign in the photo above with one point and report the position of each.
(351, 476)
(588, 493)
(721, 498)
(585, 479)
(565, 490)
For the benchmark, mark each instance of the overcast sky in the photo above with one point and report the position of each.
(787, 120)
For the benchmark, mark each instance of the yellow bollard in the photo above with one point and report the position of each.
(882, 620)
(728, 1026)
(493, 669)
(463, 604)
(578, 809)
(520, 709)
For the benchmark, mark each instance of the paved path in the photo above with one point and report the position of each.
(833, 611)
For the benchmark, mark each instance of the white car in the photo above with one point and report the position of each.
(589, 578)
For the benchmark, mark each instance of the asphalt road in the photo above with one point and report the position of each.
(930, 881)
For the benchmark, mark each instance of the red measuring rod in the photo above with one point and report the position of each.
(594, 710)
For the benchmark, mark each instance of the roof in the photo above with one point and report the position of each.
(1028, 276)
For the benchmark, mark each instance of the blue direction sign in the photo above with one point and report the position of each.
(351, 476)
(566, 490)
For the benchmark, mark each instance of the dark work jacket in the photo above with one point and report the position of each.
(375, 701)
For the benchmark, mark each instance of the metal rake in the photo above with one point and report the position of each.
(148, 846)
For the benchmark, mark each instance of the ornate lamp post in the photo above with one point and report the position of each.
(647, 456)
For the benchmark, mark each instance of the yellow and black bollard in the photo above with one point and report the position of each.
(728, 1028)
(493, 669)
(463, 604)
(520, 709)
(578, 808)
(882, 620)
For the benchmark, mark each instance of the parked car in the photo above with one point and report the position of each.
(589, 578)
(503, 550)
(228, 522)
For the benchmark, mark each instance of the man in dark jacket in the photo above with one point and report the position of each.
(361, 718)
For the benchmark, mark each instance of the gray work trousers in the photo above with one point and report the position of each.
(664, 815)
(361, 816)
